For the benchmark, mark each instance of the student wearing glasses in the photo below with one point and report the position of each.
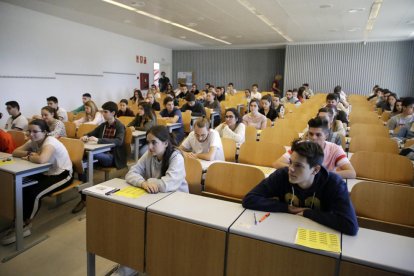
(305, 188)
(232, 127)
(203, 142)
(41, 148)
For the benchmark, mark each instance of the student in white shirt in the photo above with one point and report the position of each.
(232, 128)
(16, 120)
(255, 94)
(203, 142)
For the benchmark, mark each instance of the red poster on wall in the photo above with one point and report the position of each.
(144, 77)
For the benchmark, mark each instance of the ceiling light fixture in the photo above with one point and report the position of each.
(163, 20)
(262, 17)
(373, 15)
(356, 10)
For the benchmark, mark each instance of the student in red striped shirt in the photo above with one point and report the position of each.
(334, 156)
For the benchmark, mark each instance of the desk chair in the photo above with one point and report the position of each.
(75, 148)
(231, 181)
(229, 148)
(71, 116)
(385, 116)
(194, 172)
(125, 120)
(260, 153)
(368, 130)
(186, 116)
(409, 143)
(79, 115)
(127, 145)
(383, 167)
(384, 207)
(282, 137)
(70, 129)
(83, 129)
(19, 137)
(250, 134)
(370, 143)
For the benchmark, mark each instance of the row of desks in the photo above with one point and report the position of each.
(184, 234)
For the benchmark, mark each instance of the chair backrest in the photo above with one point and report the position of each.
(229, 148)
(79, 115)
(385, 116)
(377, 144)
(282, 137)
(384, 203)
(186, 116)
(75, 148)
(128, 141)
(260, 153)
(250, 134)
(368, 130)
(408, 143)
(84, 129)
(19, 137)
(71, 116)
(194, 172)
(231, 181)
(125, 120)
(269, 123)
(70, 129)
(386, 167)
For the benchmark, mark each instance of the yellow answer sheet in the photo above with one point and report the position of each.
(131, 192)
(318, 240)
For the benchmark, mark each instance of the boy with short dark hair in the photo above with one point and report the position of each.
(52, 101)
(307, 189)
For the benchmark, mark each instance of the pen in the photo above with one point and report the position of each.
(255, 219)
(112, 191)
(264, 217)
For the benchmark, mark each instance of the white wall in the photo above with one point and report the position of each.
(35, 45)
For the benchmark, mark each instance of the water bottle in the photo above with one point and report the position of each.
(282, 111)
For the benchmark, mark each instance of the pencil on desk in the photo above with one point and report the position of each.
(255, 219)
(264, 217)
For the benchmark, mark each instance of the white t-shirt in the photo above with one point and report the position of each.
(60, 159)
(213, 140)
(20, 122)
(62, 113)
(256, 95)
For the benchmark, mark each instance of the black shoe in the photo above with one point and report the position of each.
(79, 207)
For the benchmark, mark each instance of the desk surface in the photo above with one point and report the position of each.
(380, 250)
(205, 211)
(139, 133)
(278, 228)
(21, 166)
(91, 146)
(140, 203)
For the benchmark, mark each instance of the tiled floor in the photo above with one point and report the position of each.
(64, 252)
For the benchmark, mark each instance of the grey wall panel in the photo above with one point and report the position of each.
(354, 66)
(219, 67)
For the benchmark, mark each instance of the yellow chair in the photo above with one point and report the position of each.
(229, 148)
(70, 129)
(75, 148)
(71, 116)
(84, 129)
(19, 137)
(282, 137)
(409, 143)
(368, 130)
(260, 153)
(186, 116)
(384, 207)
(370, 143)
(125, 120)
(250, 134)
(231, 181)
(383, 167)
(194, 172)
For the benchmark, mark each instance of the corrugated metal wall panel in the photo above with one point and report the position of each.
(219, 67)
(354, 66)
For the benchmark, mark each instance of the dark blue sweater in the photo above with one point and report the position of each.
(327, 199)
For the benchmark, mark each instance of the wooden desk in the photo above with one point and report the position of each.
(269, 248)
(376, 253)
(14, 174)
(266, 170)
(92, 149)
(186, 235)
(138, 136)
(115, 226)
(172, 126)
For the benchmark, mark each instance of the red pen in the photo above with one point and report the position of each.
(264, 217)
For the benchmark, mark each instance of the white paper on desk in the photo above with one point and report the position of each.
(100, 189)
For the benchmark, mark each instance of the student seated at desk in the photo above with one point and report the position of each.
(124, 109)
(254, 118)
(334, 156)
(160, 169)
(406, 117)
(267, 108)
(6, 142)
(85, 98)
(232, 128)
(56, 126)
(203, 142)
(92, 115)
(41, 148)
(173, 115)
(196, 108)
(112, 131)
(306, 189)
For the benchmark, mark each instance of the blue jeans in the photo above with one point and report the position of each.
(105, 159)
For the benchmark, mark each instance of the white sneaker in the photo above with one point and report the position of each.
(124, 271)
(10, 236)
